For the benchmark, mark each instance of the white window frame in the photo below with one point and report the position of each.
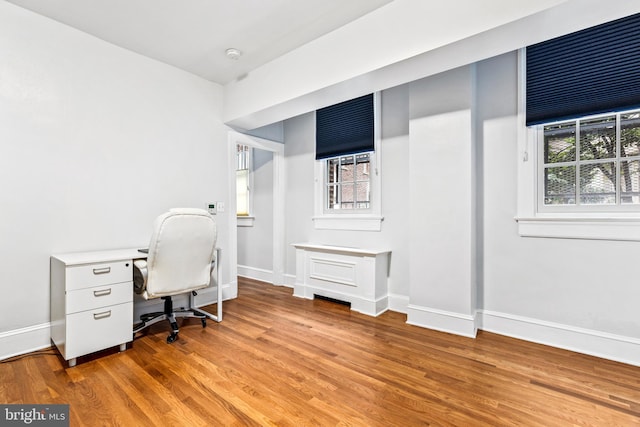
(583, 223)
(358, 219)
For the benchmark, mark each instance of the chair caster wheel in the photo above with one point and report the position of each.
(204, 323)
(171, 338)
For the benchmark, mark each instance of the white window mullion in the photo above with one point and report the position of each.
(540, 166)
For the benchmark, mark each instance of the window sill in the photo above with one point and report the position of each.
(245, 221)
(591, 228)
(348, 222)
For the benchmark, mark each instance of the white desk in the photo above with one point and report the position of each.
(92, 300)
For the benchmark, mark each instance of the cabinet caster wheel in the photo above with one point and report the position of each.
(172, 338)
(204, 323)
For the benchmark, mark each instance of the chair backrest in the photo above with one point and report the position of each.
(181, 250)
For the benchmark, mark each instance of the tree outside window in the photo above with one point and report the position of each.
(593, 161)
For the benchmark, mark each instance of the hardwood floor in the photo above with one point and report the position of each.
(280, 360)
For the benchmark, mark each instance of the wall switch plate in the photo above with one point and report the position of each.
(220, 207)
(212, 208)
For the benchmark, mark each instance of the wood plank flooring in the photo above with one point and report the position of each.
(280, 360)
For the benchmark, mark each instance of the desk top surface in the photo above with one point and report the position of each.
(92, 257)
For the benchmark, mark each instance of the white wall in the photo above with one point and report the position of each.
(95, 141)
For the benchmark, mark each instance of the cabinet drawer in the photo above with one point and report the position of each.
(90, 275)
(99, 296)
(93, 330)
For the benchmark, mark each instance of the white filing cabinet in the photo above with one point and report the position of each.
(91, 301)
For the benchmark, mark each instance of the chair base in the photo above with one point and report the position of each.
(169, 314)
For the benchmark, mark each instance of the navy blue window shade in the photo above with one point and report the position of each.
(345, 128)
(592, 71)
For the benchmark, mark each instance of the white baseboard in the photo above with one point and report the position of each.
(595, 343)
(289, 280)
(230, 290)
(25, 340)
(440, 320)
(255, 273)
(264, 275)
(399, 303)
(209, 295)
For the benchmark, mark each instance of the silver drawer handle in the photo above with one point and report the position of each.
(102, 293)
(104, 270)
(103, 315)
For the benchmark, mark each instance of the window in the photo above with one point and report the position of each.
(244, 177)
(579, 137)
(347, 172)
(348, 182)
(590, 163)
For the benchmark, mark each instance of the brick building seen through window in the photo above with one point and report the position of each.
(348, 182)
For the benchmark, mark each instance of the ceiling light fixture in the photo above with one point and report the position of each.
(233, 53)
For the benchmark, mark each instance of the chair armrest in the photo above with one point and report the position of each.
(140, 263)
(140, 274)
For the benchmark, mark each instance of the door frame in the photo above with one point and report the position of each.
(277, 149)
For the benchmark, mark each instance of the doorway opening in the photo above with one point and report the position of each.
(276, 275)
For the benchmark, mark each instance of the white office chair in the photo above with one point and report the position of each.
(180, 260)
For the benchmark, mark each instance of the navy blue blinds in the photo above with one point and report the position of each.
(345, 128)
(592, 71)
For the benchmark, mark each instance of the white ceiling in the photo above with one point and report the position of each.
(194, 34)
